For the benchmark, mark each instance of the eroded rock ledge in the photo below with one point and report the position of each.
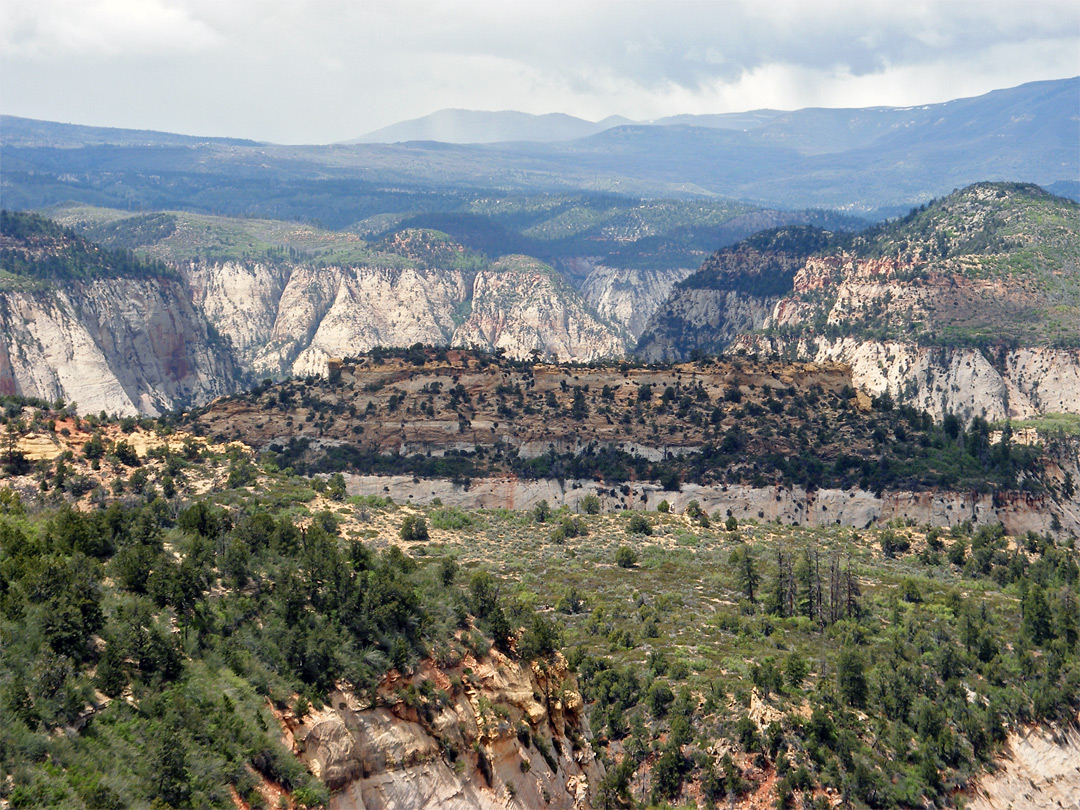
(488, 733)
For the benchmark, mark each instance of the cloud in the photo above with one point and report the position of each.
(47, 29)
(324, 70)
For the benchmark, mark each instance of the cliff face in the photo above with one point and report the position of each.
(483, 734)
(733, 293)
(121, 345)
(240, 299)
(629, 296)
(1038, 770)
(701, 320)
(334, 311)
(148, 341)
(1018, 384)
(522, 306)
(288, 319)
(792, 506)
(971, 306)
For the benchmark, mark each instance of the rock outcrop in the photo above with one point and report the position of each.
(629, 296)
(522, 306)
(479, 735)
(288, 319)
(734, 292)
(120, 345)
(1039, 769)
(1014, 384)
(971, 306)
(856, 508)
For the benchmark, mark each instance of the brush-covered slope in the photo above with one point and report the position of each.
(312, 664)
(791, 441)
(193, 625)
(969, 304)
(103, 328)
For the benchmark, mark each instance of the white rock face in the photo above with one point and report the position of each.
(336, 312)
(1023, 383)
(702, 319)
(289, 319)
(520, 305)
(123, 346)
(1040, 769)
(240, 300)
(826, 507)
(630, 296)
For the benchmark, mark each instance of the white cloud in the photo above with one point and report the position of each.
(47, 29)
(325, 70)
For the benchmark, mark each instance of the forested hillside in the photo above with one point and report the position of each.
(174, 613)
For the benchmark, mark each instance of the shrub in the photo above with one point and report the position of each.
(414, 527)
(569, 527)
(639, 524)
(541, 512)
(452, 518)
(590, 505)
(626, 557)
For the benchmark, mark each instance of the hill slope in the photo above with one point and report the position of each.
(970, 304)
(104, 328)
(475, 126)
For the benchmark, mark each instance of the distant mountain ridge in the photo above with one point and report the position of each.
(18, 131)
(875, 162)
(809, 130)
(477, 126)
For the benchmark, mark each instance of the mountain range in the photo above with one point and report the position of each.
(475, 126)
(545, 474)
(875, 161)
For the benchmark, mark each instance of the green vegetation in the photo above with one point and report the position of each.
(993, 266)
(807, 652)
(1065, 424)
(37, 248)
(761, 436)
(885, 664)
(192, 616)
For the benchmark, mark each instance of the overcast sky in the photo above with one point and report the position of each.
(319, 71)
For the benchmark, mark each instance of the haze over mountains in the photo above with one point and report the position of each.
(811, 130)
(874, 161)
(475, 126)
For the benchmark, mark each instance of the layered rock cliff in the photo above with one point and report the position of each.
(733, 293)
(522, 306)
(970, 306)
(479, 735)
(285, 319)
(629, 296)
(123, 346)
(1013, 384)
(100, 328)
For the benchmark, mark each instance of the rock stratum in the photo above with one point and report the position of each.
(493, 733)
(793, 442)
(101, 329)
(970, 305)
(189, 327)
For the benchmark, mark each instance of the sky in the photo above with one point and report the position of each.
(322, 71)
